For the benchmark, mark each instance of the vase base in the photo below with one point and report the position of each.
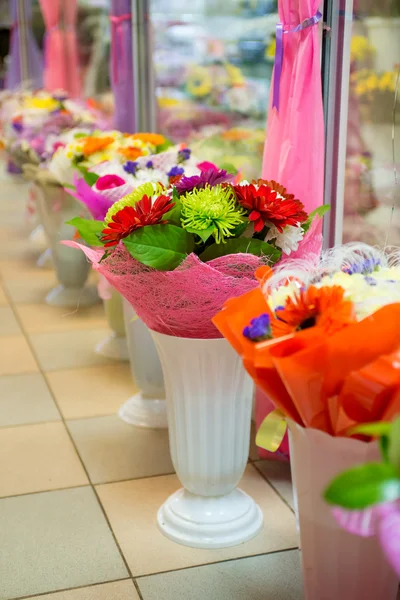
(210, 522)
(72, 297)
(144, 412)
(113, 346)
(45, 260)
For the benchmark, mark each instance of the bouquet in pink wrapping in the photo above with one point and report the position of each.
(177, 252)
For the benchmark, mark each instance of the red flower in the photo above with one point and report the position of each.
(266, 207)
(130, 218)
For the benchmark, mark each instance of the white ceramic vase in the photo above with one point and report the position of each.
(148, 407)
(209, 401)
(336, 565)
(55, 207)
(115, 345)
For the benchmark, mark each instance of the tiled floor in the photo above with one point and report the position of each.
(79, 489)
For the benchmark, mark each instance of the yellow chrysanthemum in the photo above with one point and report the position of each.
(147, 189)
(235, 74)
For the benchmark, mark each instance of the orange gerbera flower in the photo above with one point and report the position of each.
(323, 307)
(95, 144)
(131, 153)
(155, 139)
(235, 135)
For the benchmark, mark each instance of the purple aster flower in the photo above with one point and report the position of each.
(176, 172)
(149, 164)
(184, 154)
(370, 280)
(210, 177)
(17, 125)
(259, 329)
(369, 265)
(130, 167)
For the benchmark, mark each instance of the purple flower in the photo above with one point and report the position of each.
(175, 172)
(184, 154)
(149, 164)
(369, 265)
(259, 329)
(130, 167)
(17, 125)
(209, 177)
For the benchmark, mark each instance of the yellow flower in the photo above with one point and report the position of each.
(146, 189)
(199, 82)
(167, 102)
(360, 48)
(271, 49)
(235, 74)
(41, 103)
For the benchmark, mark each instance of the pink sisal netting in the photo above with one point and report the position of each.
(180, 302)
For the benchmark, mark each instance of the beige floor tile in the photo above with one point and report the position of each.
(26, 264)
(279, 476)
(69, 349)
(8, 322)
(16, 356)
(113, 450)
(56, 541)
(39, 457)
(117, 590)
(268, 577)
(3, 297)
(31, 288)
(91, 392)
(41, 318)
(132, 507)
(25, 399)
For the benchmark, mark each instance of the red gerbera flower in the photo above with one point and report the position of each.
(130, 218)
(267, 207)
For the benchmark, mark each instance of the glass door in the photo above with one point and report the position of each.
(363, 118)
(213, 62)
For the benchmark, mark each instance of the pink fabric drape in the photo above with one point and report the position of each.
(61, 51)
(294, 147)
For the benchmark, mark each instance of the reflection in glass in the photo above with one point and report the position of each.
(213, 62)
(369, 177)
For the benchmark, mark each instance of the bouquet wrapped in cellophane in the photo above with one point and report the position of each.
(177, 253)
(323, 342)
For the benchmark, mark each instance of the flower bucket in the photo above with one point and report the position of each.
(336, 564)
(209, 403)
(147, 408)
(115, 345)
(55, 207)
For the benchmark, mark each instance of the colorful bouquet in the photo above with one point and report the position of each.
(323, 342)
(366, 498)
(376, 93)
(87, 151)
(111, 181)
(305, 337)
(178, 253)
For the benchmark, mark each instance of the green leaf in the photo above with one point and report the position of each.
(394, 445)
(320, 211)
(164, 146)
(384, 447)
(229, 168)
(364, 486)
(88, 229)
(372, 429)
(174, 215)
(162, 247)
(240, 229)
(204, 234)
(244, 245)
(80, 135)
(88, 176)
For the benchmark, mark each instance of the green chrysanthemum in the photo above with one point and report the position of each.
(211, 211)
(146, 189)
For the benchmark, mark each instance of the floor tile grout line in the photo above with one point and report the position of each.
(273, 487)
(79, 587)
(74, 446)
(218, 562)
